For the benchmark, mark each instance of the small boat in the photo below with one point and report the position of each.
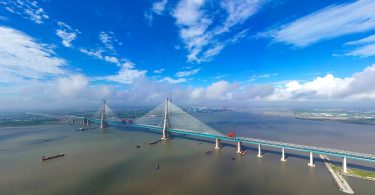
(138, 146)
(44, 158)
(209, 152)
(233, 158)
(157, 166)
(154, 142)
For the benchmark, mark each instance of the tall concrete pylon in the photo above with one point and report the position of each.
(165, 121)
(103, 120)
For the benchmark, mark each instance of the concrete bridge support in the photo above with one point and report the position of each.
(165, 134)
(344, 167)
(165, 121)
(259, 152)
(217, 144)
(239, 145)
(311, 163)
(283, 155)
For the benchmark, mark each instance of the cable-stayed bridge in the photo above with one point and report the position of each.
(168, 118)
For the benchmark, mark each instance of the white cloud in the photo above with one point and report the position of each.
(108, 39)
(76, 90)
(202, 33)
(66, 33)
(159, 7)
(22, 58)
(173, 81)
(328, 23)
(261, 76)
(149, 17)
(238, 12)
(369, 39)
(217, 89)
(108, 52)
(321, 87)
(126, 75)
(158, 71)
(220, 90)
(71, 86)
(100, 55)
(358, 86)
(187, 73)
(66, 92)
(197, 93)
(364, 47)
(254, 92)
(27, 9)
(363, 51)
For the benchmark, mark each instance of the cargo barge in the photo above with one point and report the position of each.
(44, 158)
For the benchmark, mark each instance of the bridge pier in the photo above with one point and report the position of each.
(259, 152)
(239, 144)
(165, 135)
(217, 144)
(311, 163)
(344, 167)
(165, 121)
(283, 155)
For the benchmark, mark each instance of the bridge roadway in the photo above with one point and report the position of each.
(298, 147)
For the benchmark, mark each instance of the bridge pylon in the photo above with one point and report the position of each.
(103, 120)
(165, 120)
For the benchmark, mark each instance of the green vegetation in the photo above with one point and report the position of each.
(355, 172)
(362, 173)
(335, 168)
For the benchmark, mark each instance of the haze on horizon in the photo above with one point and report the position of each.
(67, 54)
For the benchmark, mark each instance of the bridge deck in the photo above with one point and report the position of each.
(298, 147)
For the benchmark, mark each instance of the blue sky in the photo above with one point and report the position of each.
(200, 50)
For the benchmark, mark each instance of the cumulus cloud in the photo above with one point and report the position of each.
(22, 58)
(202, 33)
(126, 75)
(66, 33)
(71, 86)
(78, 90)
(328, 23)
(66, 92)
(220, 90)
(26, 9)
(321, 87)
(358, 86)
(254, 92)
